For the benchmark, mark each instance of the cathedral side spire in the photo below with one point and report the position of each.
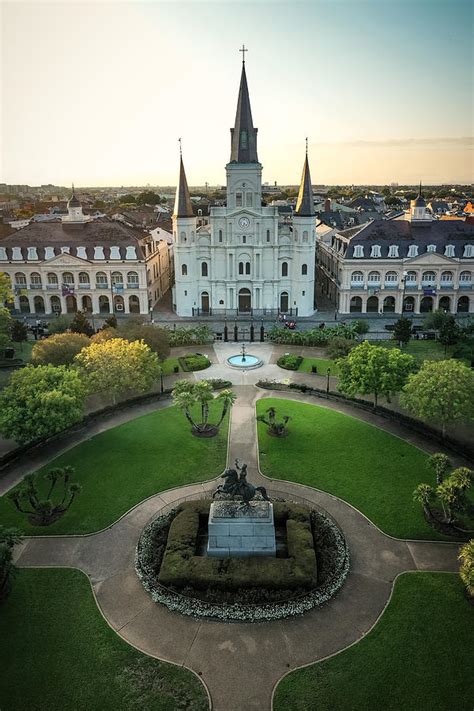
(183, 206)
(305, 202)
(243, 135)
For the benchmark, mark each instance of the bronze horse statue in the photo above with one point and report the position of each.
(236, 485)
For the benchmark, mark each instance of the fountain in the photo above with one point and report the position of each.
(244, 361)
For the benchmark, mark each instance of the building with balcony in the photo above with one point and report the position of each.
(413, 264)
(97, 266)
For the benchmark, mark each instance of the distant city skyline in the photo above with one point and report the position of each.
(99, 92)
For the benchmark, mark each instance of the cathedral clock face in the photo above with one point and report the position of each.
(244, 222)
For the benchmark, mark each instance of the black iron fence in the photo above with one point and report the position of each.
(245, 315)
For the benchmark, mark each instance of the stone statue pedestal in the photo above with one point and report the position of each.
(236, 530)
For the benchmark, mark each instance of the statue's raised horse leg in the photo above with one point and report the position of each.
(263, 492)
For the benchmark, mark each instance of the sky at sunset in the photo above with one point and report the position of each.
(99, 92)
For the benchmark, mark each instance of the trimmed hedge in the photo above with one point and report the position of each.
(194, 361)
(289, 361)
(181, 567)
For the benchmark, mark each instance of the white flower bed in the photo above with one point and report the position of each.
(234, 612)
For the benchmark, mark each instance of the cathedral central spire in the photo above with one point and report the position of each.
(305, 202)
(243, 135)
(183, 206)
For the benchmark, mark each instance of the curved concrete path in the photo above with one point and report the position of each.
(239, 663)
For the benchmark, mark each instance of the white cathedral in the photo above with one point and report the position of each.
(245, 260)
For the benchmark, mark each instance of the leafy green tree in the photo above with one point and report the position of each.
(81, 324)
(360, 326)
(188, 395)
(6, 322)
(9, 537)
(392, 201)
(60, 324)
(441, 392)
(117, 366)
(339, 347)
(111, 321)
(466, 571)
(40, 401)
(155, 338)
(59, 349)
(402, 330)
(276, 428)
(127, 199)
(449, 332)
(43, 511)
(440, 464)
(374, 370)
(435, 319)
(19, 331)
(148, 197)
(452, 493)
(6, 293)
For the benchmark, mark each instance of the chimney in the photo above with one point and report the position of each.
(327, 205)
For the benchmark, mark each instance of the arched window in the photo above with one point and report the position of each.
(247, 267)
(355, 305)
(428, 278)
(304, 269)
(244, 239)
(35, 280)
(465, 278)
(101, 281)
(20, 279)
(117, 278)
(134, 305)
(204, 269)
(220, 235)
(305, 236)
(410, 278)
(391, 278)
(68, 278)
(184, 270)
(238, 199)
(284, 269)
(268, 235)
(52, 280)
(132, 280)
(446, 278)
(182, 236)
(241, 267)
(374, 278)
(357, 278)
(84, 279)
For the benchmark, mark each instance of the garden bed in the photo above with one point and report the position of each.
(245, 589)
(194, 361)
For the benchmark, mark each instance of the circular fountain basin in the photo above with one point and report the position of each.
(246, 362)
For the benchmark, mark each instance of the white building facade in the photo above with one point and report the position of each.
(246, 260)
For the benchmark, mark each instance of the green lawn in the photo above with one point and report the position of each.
(322, 365)
(119, 468)
(169, 365)
(421, 350)
(416, 658)
(366, 466)
(57, 653)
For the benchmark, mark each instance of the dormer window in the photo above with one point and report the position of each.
(65, 250)
(32, 253)
(413, 250)
(375, 251)
(115, 253)
(393, 250)
(81, 252)
(449, 250)
(3, 254)
(358, 250)
(468, 250)
(99, 253)
(431, 248)
(16, 254)
(131, 253)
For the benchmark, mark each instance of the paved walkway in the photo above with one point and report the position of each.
(239, 663)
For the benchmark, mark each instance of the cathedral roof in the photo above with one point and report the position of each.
(73, 201)
(183, 206)
(305, 202)
(420, 200)
(243, 135)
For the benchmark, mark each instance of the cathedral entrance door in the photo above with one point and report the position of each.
(284, 302)
(245, 301)
(205, 302)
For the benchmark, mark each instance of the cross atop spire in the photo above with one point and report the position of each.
(306, 145)
(243, 50)
(180, 147)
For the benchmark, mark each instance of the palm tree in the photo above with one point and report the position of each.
(466, 571)
(424, 495)
(45, 511)
(185, 401)
(440, 463)
(228, 398)
(8, 538)
(276, 428)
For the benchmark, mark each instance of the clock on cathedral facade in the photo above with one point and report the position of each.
(246, 260)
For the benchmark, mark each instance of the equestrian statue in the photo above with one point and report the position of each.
(236, 484)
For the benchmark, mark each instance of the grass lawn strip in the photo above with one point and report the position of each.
(124, 465)
(58, 653)
(416, 658)
(322, 364)
(169, 366)
(369, 468)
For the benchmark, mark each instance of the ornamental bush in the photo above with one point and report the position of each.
(194, 361)
(59, 349)
(289, 361)
(314, 337)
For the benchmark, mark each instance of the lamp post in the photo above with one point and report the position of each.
(404, 283)
(151, 314)
(327, 382)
